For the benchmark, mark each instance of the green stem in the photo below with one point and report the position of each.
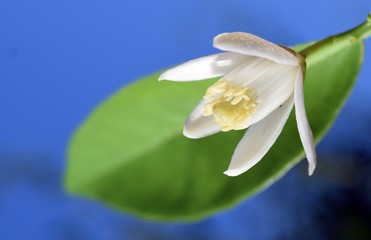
(358, 33)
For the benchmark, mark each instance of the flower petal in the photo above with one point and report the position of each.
(270, 83)
(251, 45)
(258, 139)
(197, 125)
(215, 65)
(303, 126)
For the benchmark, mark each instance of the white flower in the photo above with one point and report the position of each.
(260, 84)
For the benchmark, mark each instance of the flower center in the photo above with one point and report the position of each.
(231, 107)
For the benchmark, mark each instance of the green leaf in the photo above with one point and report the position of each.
(131, 154)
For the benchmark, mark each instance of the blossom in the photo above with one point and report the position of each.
(259, 85)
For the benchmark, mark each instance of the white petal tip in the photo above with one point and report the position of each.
(311, 170)
(161, 77)
(169, 75)
(189, 134)
(232, 172)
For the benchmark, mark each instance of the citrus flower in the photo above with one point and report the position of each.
(259, 85)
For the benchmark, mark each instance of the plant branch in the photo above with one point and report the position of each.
(356, 34)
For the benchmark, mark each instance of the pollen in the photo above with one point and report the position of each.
(230, 105)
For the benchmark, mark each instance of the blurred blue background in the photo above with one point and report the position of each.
(59, 59)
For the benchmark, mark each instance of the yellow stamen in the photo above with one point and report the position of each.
(231, 105)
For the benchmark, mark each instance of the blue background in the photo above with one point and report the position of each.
(59, 59)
